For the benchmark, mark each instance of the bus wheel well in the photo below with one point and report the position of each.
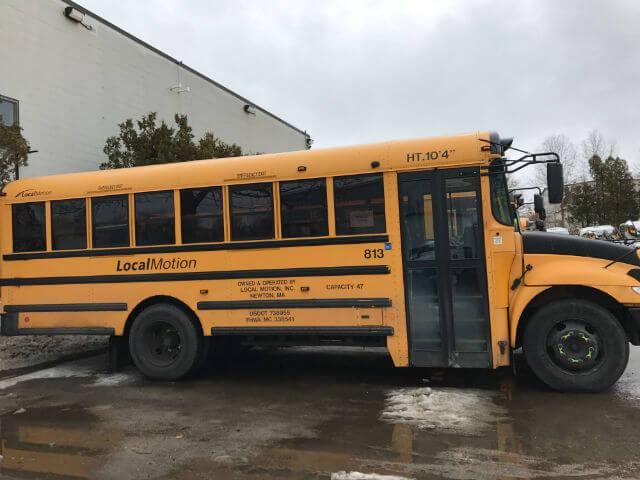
(570, 291)
(160, 299)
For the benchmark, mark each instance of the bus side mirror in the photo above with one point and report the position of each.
(555, 182)
(538, 204)
(517, 200)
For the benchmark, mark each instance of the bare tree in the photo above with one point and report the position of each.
(597, 144)
(566, 149)
(513, 182)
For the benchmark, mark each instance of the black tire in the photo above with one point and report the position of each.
(164, 342)
(576, 346)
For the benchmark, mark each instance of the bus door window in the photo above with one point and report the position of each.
(466, 266)
(421, 267)
(462, 208)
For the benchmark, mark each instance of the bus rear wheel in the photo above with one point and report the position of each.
(576, 346)
(164, 342)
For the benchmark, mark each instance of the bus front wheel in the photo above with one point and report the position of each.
(164, 342)
(575, 345)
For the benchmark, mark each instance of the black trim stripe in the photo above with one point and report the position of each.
(68, 307)
(67, 331)
(215, 275)
(315, 303)
(307, 242)
(309, 331)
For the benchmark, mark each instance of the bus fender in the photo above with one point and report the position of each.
(519, 302)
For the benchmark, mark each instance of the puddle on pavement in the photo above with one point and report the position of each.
(59, 443)
(283, 422)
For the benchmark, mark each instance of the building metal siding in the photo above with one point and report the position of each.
(75, 85)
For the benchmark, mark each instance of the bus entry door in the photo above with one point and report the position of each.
(444, 268)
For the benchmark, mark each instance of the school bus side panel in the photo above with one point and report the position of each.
(500, 251)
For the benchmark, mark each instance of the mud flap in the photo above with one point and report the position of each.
(9, 324)
(119, 356)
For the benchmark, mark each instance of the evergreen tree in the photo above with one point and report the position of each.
(14, 151)
(581, 204)
(151, 144)
(609, 199)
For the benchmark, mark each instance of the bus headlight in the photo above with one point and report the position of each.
(636, 289)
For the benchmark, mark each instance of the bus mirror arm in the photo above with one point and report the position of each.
(516, 283)
(530, 159)
(527, 159)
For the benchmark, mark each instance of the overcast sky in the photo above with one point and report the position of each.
(358, 71)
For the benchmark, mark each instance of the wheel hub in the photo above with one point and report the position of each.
(164, 343)
(574, 347)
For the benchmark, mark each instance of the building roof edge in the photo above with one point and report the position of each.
(97, 17)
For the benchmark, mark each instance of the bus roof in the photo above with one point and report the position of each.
(435, 152)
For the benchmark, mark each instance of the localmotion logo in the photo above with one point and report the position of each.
(156, 264)
(30, 192)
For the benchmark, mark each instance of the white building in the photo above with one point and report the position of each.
(70, 76)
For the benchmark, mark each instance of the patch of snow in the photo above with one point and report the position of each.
(61, 371)
(113, 379)
(364, 476)
(466, 412)
(19, 411)
(31, 350)
(71, 370)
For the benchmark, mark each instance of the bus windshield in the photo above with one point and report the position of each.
(500, 204)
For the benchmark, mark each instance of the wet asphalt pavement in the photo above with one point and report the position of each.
(306, 414)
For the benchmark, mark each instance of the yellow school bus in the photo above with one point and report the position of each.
(411, 245)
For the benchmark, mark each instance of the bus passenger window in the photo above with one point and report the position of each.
(28, 227)
(359, 204)
(154, 218)
(69, 224)
(303, 208)
(110, 219)
(201, 215)
(251, 211)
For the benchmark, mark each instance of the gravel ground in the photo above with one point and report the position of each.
(27, 351)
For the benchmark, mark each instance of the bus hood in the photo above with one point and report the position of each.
(555, 244)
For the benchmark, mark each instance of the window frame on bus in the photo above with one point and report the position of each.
(181, 218)
(86, 223)
(325, 220)
(383, 229)
(274, 212)
(44, 230)
(172, 201)
(99, 198)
